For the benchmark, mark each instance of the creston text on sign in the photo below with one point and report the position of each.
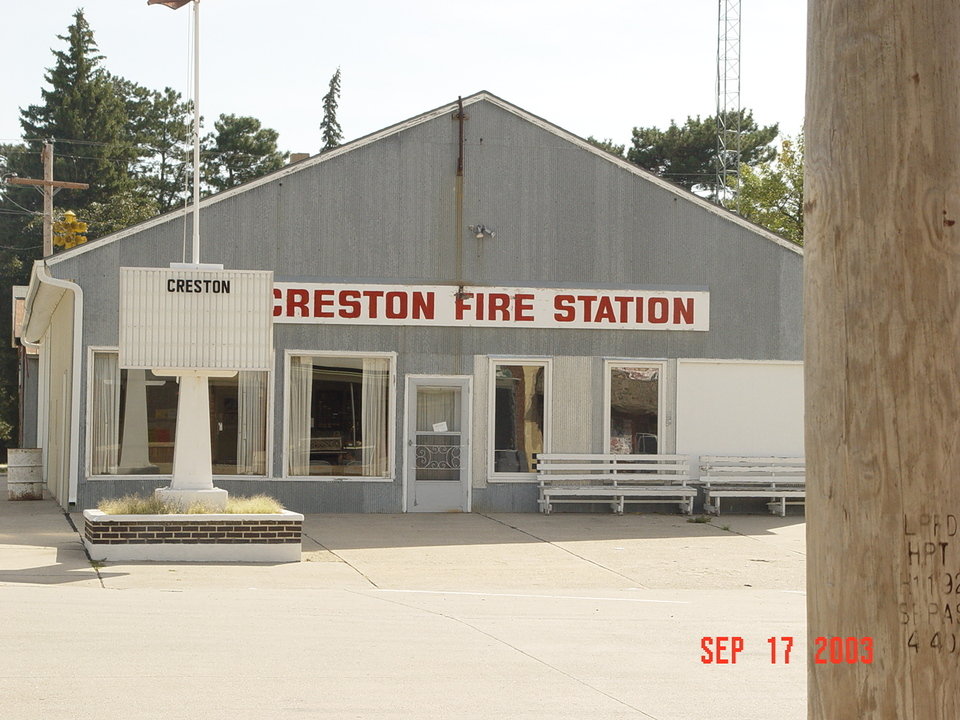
(180, 285)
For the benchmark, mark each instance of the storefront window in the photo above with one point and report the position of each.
(134, 421)
(518, 416)
(634, 409)
(338, 422)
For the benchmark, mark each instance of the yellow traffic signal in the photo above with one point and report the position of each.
(69, 232)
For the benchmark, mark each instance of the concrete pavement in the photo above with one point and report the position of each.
(411, 616)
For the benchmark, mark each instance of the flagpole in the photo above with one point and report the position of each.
(196, 132)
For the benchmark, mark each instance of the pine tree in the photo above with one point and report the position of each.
(159, 126)
(687, 154)
(81, 104)
(332, 133)
(239, 150)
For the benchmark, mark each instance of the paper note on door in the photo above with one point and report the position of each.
(440, 427)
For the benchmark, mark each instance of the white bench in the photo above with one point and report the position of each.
(614, 479)
(779, 478)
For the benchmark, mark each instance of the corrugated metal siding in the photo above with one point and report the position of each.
(31, 391)
(563, 217)
(506, 498)
(481, 409)
(573, 397)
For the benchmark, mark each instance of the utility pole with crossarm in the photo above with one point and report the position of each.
(48, 186)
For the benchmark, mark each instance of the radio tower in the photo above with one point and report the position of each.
(728, 100)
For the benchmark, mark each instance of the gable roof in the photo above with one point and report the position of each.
(482, 96)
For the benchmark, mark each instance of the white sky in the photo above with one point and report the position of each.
(598, 68)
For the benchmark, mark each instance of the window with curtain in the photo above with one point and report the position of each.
(338, 416)
(133, 421)
(519, 427)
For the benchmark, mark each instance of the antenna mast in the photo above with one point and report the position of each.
(728, 100)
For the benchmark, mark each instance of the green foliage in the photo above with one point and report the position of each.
(239, 150)
(128, 142)
(687, 154)
(330, 129)
(126, 208)
(608, 145)
(81, 104)
(771, 193)
(19, 247)
(159, 126)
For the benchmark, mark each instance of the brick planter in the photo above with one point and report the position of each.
(230, 538)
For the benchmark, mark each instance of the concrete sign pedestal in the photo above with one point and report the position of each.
(192, 481)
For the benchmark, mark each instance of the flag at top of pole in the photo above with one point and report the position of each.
(172, 4)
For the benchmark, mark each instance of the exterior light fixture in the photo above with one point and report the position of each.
(482, 231)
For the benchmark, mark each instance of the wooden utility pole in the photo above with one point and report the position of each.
(882, 323)
(49, 186)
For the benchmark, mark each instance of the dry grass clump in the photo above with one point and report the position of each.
(152, 505)
(253, 505)
(135, 505)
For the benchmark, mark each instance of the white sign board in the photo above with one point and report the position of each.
(501, 307)
(195, 319)
(739, 407)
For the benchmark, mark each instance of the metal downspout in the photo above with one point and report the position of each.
(44, 277)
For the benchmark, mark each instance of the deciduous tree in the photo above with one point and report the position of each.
(771, 193)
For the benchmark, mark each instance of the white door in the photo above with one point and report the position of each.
(438, 444)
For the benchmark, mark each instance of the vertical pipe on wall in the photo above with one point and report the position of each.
(458, 221)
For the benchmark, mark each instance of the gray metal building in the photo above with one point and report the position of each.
(373, 412)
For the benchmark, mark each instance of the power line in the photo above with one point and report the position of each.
(25, 247)
(17, 212)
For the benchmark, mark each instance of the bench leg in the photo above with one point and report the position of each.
(778, 507)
